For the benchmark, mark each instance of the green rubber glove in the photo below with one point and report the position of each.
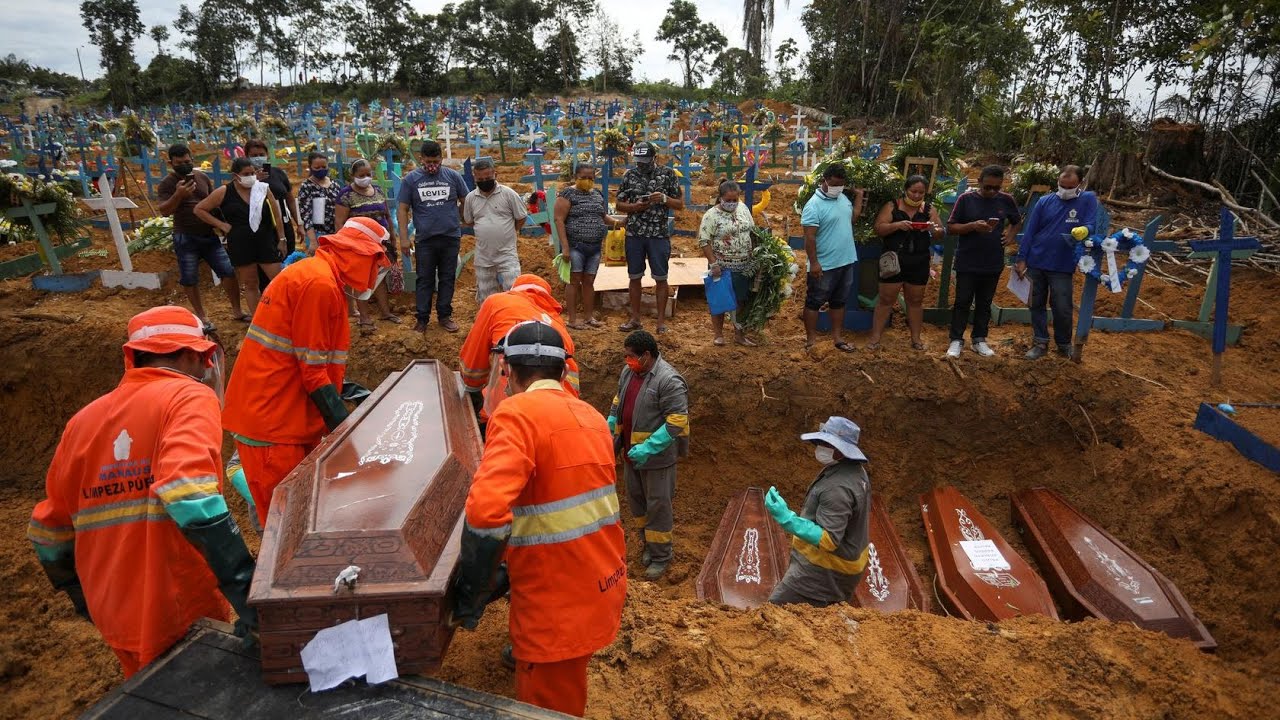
(613, 425)
(656, 443)
(330, 404)
(223, 548)
(479, 565)
(792, 524)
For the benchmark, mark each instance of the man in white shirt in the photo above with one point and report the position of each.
(497, 213)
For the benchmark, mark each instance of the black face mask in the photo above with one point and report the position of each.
(183, 169)
(487, 185)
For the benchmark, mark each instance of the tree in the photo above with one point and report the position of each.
(735, 72)
(562, 52)
(159, 33)
(785, 53)
(375, 33)
(692, 42)
(757, 25)
(213, 35)
(113, 25)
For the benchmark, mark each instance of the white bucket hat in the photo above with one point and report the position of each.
(841, 434)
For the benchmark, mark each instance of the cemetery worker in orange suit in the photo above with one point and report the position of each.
(283, 395)
(829, 538)
(650, 422)
(544, 495)
(529, 298)
(134, 527)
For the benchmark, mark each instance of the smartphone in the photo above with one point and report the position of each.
(266, 166)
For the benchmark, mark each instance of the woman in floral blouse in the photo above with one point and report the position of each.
(364, 199)
(725, 238)
(317, 198)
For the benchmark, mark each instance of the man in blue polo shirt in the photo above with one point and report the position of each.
(434, 194)
(828, 241)
(1047, 257)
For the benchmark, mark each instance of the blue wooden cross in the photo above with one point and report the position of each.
(750, 185)
(468, 174)
(687, 169)
(607, 175)
(478, 142)
(537, 178)
(1224, 249)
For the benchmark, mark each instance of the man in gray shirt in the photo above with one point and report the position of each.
(830, 535)
(497, 213)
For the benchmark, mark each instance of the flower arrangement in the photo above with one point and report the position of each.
(929, 144)
(391, 141)
(1095, 257)
(576, 126)
(773, 131)
(134, 134)
(202, 120)
(567, 168)
(155, 234)
(1027, 174)
(881, 183)
(776, 269)
(63, 221)
(246, 127)
(762, 116)
(612, 140)
(276, 126)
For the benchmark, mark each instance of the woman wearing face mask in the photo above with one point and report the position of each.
(909, 225)
(725, 238)
(582, 219)
(364, 199)
(318, 199)
(281, 188)
(250, 222)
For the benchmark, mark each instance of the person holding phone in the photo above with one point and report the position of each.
(281, 189)
(194, 239)
(647, 192)
(250, 222)
(984, 222)
(908, 225)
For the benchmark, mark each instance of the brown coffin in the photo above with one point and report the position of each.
(980, 577)
(1094, 575)
(383, 492)
(890, 582)
(749, 554)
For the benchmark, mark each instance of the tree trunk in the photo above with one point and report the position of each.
(1177, 147)
(1115, 173)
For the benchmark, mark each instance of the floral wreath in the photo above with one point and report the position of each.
(1094, 251)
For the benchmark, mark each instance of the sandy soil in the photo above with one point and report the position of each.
(1119, 447)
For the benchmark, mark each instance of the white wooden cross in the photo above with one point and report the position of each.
(116, 278)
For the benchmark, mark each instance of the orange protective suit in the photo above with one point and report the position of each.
(546, 483)
(132, 466)
(297, 344)
(529, 298)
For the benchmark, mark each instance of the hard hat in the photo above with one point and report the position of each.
(534, 344)
(166, 329)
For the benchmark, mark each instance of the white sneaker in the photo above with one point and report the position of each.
(953, 350)
(983, 349)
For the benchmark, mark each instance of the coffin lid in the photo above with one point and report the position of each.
(890, 582)
(749, 554)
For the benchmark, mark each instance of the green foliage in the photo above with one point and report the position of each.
(65, 220)
(1027, 174)
(170, 79)
(929, 144)
(692, 41)
(21, 72)
(776, 268)
(881, 183)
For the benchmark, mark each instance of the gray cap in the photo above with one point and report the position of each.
(841, 434)
(644, 152)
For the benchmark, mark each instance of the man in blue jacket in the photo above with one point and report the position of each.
(1047, 257)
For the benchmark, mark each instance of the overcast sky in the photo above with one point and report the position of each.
(50, 35)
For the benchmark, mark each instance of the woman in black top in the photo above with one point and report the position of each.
(281, 188)
(909, 225)
(249, 247)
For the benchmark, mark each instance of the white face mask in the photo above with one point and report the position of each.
(824, 455)
(247, 180)
(1068, 194)
(362, 182)
(833, 191)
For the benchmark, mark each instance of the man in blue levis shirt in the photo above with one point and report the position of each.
(434, 194)
(1047, 257)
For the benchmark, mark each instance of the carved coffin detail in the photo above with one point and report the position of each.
(383, 492)
(1092, 574)
(749, 554)
(890, 582)
(980, 577)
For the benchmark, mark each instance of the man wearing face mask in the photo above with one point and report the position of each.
(283, 395)
(1047, 257)
(434, 194)
(193, 239)
(134, 527)
(647, 192)
(828, 241)
(650, 423)
(829, 538)
(497, 213)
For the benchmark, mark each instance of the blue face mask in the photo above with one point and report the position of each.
(320, 173)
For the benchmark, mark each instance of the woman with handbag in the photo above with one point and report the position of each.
(909, 225)
(725, 239)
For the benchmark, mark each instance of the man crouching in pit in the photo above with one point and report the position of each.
(829, 537)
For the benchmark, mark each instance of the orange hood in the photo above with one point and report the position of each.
(539, 291)
(355, 253)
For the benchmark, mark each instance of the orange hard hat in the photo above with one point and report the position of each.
(166, 329)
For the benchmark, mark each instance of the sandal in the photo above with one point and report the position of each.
(392, 319)
(629, 325)
(595, 323)
(243, 317)
(368, 328)
(718, 341)
(662, 330)
(745, 341)
(873, 346)
(843, 346)
(917, 346)
(576, 325)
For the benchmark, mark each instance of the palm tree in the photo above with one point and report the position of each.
(757, 24)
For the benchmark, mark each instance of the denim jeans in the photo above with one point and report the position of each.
(1056, 288)
(437, 267)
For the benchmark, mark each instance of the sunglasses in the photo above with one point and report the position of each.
(991, 188)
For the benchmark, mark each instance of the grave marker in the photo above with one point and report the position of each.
(116, 278)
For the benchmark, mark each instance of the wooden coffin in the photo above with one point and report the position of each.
(980, 577)
(1094, 575)
(383, 492)
(890, 582)
(749, 554)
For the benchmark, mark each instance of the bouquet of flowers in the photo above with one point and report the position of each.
(929, 144)
(1095, 257)
(155, 234)
(246, 127)
(63, 221)
(612, 139)
(391, 141)
(1027, 174)
(276, 126)
(776, 268)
